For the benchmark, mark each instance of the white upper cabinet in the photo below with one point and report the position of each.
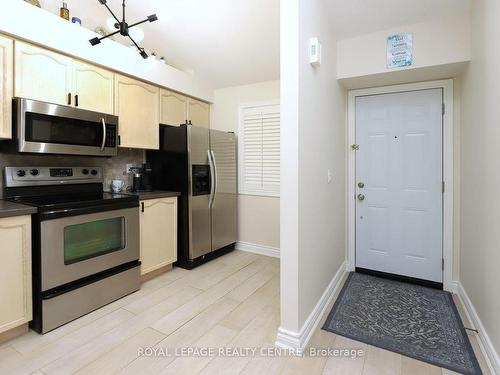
(93, 88)
(6, 86)
(51, 77)
(42, 75)
(173, 108)
(199, 113)
(137, 105)
(55, 78)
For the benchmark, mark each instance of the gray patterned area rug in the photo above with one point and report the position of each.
(411, 320)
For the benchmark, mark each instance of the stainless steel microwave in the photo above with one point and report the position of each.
(48, 128)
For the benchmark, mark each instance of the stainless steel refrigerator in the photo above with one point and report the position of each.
(201, 165)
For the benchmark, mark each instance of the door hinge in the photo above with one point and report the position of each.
(442, 265)
(355, 147)
(444, 109)
(443, 186)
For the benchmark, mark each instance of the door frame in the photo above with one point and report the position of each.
(447, 86)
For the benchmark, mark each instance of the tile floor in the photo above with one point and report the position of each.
(230, 302)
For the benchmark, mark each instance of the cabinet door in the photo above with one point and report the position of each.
(6, 86)
(15, 288)
(173, 108)
(158, 234)
(199, 113)
(137, 106)
(94, 87)
(42, 75)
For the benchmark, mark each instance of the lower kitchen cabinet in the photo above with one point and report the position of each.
(15, 288)
(158, 233)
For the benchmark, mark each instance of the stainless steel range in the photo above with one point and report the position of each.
(85, 241)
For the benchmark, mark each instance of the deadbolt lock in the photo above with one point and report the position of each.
(361, 197)
(361, 185)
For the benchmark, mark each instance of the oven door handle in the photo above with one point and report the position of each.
(103, 134)
(60, 213)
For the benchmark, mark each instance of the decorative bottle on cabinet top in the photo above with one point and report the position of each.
(64, 12)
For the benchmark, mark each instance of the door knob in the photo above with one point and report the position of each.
(361, 185)
(361, 197)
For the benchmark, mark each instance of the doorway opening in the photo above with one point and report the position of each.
(400, 181)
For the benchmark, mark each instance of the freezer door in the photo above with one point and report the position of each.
(199, 192)
(224, 201)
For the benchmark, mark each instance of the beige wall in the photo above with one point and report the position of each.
(313, 142)
(480, 169)
(258, 217)
(438, 42)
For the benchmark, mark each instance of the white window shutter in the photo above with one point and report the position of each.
(259, 150)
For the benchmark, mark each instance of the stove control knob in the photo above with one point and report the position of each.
(34, 172)
(85, 171)
(21, 173)
(93, 172)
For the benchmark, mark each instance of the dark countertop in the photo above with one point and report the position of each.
(9, 209)
(155, 194)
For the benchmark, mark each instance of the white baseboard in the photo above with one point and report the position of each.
(452, 287)
(297, 341)
(489, 352)
(258, 249)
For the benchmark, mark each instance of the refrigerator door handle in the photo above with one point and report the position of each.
(212, 179)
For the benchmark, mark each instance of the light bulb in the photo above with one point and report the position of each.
(110, 24)
(137, 34)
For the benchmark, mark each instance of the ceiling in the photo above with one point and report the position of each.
(225, 42)
(236, 42)
(357, 17)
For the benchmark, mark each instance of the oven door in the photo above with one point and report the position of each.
(54, 129)
(76, 247)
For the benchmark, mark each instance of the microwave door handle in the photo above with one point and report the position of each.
(212, 179)
(103, 134)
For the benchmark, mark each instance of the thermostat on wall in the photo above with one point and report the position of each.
(314, 52)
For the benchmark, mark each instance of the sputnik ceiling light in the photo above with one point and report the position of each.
(123, 28)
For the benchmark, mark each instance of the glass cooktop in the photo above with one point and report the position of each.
(75, 200)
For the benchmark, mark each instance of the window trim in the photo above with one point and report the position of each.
(241, 185)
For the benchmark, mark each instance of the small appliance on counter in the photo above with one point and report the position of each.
(85, 241)
(142, 180)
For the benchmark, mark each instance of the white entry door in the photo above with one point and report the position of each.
(399, 191)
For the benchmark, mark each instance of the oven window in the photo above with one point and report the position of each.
(92, 239)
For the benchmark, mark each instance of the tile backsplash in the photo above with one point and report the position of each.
(114, 167)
